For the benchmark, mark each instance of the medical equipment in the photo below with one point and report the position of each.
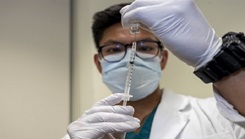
(133, 30)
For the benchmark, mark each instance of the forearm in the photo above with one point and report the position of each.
(232, 88)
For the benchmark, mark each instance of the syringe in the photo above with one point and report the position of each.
(134, 30)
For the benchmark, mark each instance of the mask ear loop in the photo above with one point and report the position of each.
(161, 55)
(100, 58)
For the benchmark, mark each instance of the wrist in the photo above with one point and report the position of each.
(210, 53)
(230, 58)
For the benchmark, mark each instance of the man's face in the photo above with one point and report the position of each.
(116, 33)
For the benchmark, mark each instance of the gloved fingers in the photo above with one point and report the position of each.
(110, 100)
(137, 10)
(112, 127)
(98, 130)
(77, 132)
(107, 117)
(127, 110)
(133, 13)
(139, 4)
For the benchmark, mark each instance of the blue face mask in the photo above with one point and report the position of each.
(146, 76)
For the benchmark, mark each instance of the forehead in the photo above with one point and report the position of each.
(116, 33)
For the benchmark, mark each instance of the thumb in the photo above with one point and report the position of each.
(113, 99)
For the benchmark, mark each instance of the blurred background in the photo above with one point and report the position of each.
(47, 74)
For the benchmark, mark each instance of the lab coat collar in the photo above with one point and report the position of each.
(171, 116)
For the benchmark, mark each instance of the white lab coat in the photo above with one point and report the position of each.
(184, 117)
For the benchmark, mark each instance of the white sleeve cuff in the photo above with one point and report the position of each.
(227, 110)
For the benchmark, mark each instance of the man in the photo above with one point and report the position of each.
(152, 112)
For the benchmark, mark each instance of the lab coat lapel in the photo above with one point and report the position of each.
(171, 116)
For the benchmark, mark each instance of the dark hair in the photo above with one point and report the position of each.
(104, 19)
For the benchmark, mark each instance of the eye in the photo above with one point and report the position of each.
(144, 48)
(147, 47)
(113, 49)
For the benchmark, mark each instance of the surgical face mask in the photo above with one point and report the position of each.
(146, 76)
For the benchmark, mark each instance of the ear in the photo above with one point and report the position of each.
(97, 62)
(164, 60)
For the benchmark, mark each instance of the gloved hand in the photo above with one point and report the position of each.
(179, 25)
(105, 120)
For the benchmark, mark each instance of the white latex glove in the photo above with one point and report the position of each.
(180, 26)
(105, 120)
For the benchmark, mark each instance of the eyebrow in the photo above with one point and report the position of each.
(111, 42)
